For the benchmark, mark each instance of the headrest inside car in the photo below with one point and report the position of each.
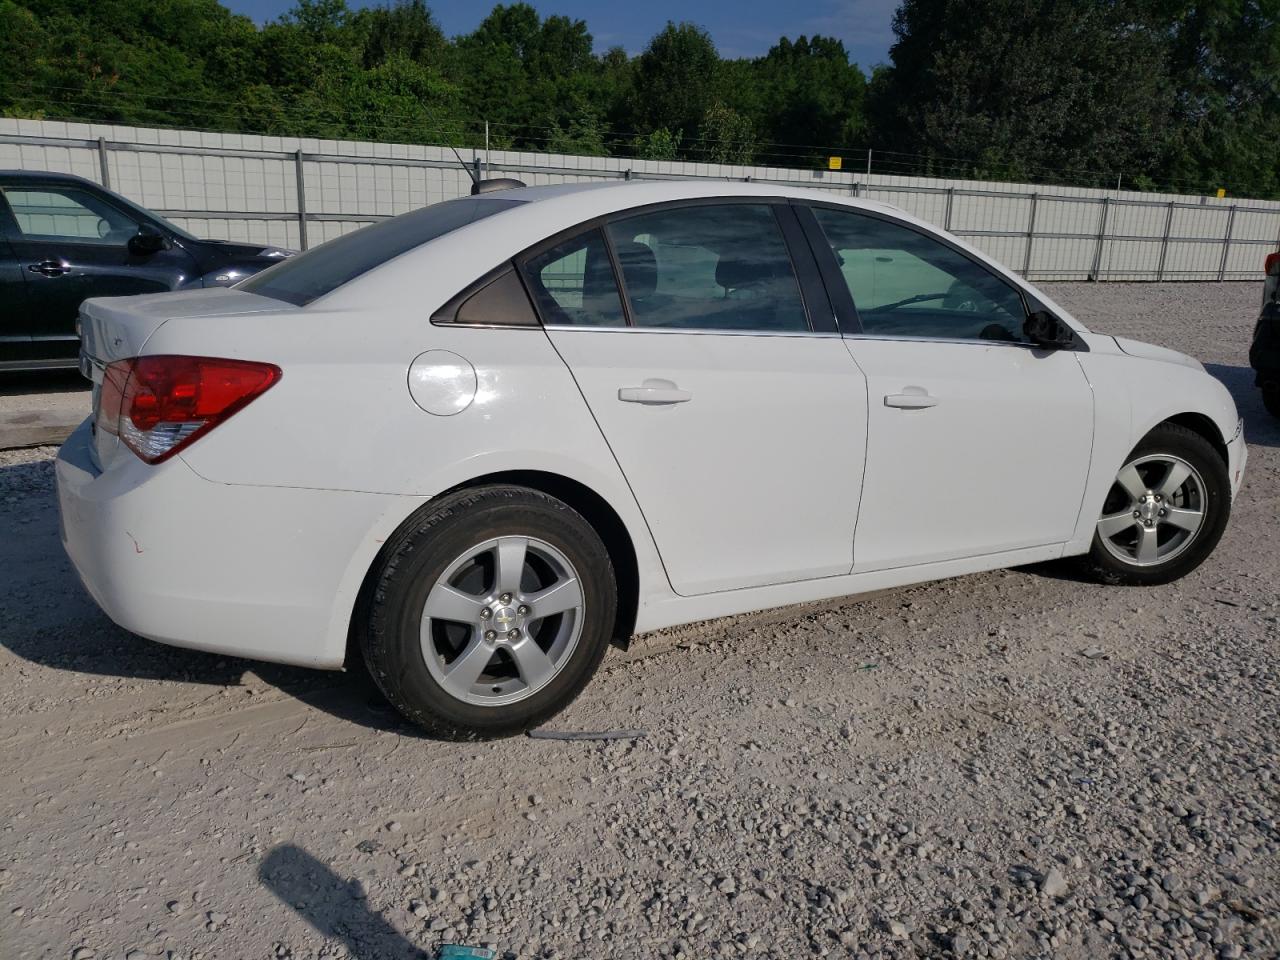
(639, 268)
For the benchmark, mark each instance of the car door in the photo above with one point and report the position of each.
(737, 420)
(15, 318)
(978, 441)
(72, 243)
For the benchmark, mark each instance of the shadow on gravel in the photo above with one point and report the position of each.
(335, 907)
(1260, 428)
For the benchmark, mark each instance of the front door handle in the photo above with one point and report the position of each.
(50, 268)
(654, 392)
(912, 398)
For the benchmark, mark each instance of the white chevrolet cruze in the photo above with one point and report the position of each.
(480, 441)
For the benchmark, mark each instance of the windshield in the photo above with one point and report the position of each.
(323, 269)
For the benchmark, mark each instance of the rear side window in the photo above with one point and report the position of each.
(309, 276)
(573, 285)
(709, 267)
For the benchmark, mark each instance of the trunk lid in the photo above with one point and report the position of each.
(117, 328)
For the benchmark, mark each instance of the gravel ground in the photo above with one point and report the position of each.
(1017, 764)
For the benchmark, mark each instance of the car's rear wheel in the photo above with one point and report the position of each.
(490, 612)
(1165, 512)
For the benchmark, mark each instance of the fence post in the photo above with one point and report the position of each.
(302, 199)
(1102, 234)
(1031, 235)
(946, 220)
(1164, 243)
(868, 161)
(1226, 244)
(102, 162)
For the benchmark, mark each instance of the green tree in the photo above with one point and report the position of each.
(726, 135)
(1026, 86)
(809, 94)
(1224, 59)
(674, 79)
(530, 78)
(660, 144)
(406, 28)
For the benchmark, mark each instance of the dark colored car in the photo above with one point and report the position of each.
(1264, 354)
(64, 239)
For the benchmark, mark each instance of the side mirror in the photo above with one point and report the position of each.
(1047, 331)
(148, 240)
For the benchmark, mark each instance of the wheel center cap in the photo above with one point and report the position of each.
(1148, 510)
(505, 617)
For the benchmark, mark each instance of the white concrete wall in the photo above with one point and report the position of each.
(209, 177)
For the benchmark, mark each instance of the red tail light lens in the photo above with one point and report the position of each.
(159, 405)
(1271, 266)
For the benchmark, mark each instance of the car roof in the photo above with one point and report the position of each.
(629, 193)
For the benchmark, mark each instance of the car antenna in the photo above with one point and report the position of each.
(475, 181)
(479, 185)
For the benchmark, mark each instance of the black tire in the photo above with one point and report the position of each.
(1172, 439)
(1271, 400)
(421, 552)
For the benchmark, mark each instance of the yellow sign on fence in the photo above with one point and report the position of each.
(833, 163)
(1222, 192)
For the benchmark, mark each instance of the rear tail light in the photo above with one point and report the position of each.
(159, 405)
(1271, 266)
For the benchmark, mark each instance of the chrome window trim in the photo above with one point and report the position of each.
(701, 331)
(977, 341)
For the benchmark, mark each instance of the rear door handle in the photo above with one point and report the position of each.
(50, 268)
(654, 392)
(915, 398)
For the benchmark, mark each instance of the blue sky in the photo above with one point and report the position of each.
(745, 28)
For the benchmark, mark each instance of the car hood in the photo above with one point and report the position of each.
(1148, 351)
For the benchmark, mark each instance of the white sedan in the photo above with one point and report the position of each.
(479, 442)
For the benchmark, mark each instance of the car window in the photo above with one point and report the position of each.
(709, 266)
(68, 213)
(908, 284)
(500, 302)
(309, 276)
(573, 283)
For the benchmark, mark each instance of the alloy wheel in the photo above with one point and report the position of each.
(502, 620)
(1153, 511)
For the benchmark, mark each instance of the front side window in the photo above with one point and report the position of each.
(709, 267)
(62, 214)
(573, 284)
(905, 283)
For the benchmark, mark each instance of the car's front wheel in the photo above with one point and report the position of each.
(1165, 512)
(490, 612)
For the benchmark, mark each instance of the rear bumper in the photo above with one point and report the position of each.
(268, 573)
